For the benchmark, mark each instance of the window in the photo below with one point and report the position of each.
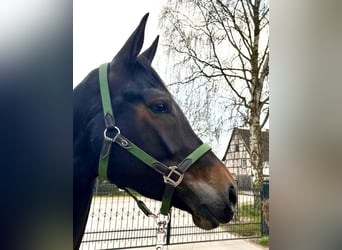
(244, 163)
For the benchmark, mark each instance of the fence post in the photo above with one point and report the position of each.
(265, 193)
(168, 231)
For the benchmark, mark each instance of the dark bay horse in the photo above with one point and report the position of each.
(147, 114)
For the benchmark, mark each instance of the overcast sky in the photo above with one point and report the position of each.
(101, 27)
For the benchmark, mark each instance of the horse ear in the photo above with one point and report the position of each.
(150, 52)
(129, 52)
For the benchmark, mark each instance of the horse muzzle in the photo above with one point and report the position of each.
(210, 207)
(214, 209)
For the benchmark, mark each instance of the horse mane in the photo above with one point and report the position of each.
(83, 95)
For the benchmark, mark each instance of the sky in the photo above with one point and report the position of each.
(101, 27)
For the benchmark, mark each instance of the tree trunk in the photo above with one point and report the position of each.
(255, 110)
(256, 159)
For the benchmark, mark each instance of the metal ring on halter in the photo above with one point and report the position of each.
(109, 138)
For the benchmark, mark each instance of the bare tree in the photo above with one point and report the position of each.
(221, 52)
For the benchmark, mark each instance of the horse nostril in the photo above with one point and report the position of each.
(232, 195)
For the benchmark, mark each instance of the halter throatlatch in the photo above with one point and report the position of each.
(172, 175)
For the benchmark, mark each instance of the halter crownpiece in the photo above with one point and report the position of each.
(172, 175)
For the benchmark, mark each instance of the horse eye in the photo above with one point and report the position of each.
(160, 107)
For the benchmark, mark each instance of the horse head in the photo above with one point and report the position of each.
(147, 115)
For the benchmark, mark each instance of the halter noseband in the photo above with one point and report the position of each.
(173, 175)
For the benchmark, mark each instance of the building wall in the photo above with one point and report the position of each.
(238, 162)
(237, 158)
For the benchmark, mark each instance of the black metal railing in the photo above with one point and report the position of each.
(116, 222)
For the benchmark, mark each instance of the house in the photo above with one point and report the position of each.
(237, 157)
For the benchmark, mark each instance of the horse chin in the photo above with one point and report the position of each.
(206, 215)
(201, 216)
(205, 223)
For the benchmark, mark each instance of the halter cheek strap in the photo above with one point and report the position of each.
(172, 175)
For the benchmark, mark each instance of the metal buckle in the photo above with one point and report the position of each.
(169, 180)
(109, 138)
(162, 219)
(123, 142)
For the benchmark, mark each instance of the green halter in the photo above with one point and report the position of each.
(172, 175)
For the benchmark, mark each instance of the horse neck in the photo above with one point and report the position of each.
(83, 184)
(84, 175)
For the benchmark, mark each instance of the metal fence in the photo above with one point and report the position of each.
(116, 222)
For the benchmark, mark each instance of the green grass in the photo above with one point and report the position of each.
(248, 211)
(264, 241)
(244, 229)
(246, 222)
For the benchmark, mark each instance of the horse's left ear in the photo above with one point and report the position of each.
(148, 54)
(129, 52)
